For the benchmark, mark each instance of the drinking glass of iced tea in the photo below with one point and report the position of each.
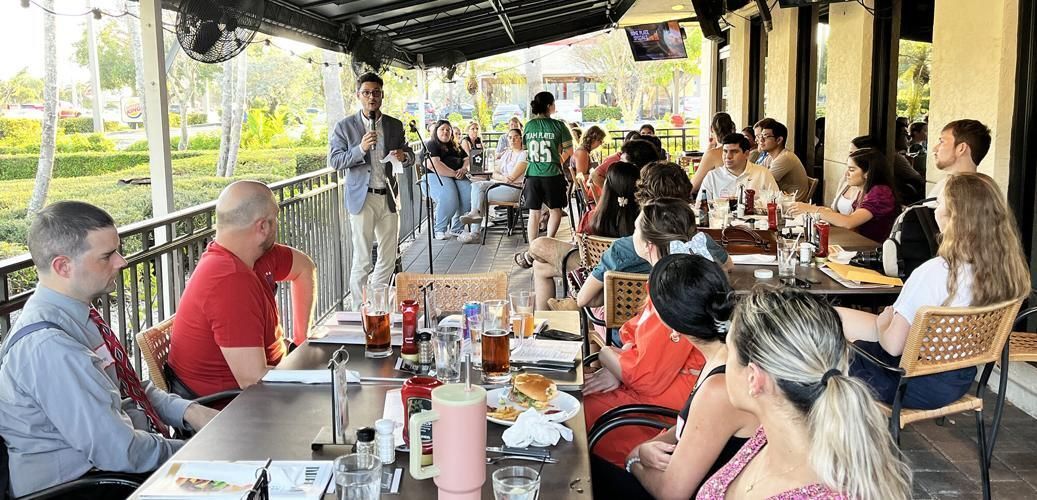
(378, 303)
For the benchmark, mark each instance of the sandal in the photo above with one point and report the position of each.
(524, 260)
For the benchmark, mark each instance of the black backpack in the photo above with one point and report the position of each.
(914, 239)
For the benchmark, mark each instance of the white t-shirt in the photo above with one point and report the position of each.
(510, 160)
(936, 190)
(722, 183)
(927, 286)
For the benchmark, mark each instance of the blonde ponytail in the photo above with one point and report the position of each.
(850, 437)
(797, 338)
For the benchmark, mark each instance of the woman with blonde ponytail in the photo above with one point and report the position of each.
(821, 435)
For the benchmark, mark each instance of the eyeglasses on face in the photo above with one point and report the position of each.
(371, 93)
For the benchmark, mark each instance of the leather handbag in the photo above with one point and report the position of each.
(742, 241)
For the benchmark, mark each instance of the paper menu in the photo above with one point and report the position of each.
(348, 334)
(534, 350)
(230, 480)
(862, 275)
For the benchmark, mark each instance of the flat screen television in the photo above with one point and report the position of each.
(656, 42)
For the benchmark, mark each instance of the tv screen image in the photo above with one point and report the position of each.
(656, 42)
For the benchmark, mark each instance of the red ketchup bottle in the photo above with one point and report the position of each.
(772, 215)
(417, 397)
(822, 238)
(409, 349)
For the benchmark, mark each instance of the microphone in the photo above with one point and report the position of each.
(413, 126)
(374, 120)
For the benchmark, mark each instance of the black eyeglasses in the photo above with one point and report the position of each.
(371, 93)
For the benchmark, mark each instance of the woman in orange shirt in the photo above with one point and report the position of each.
(656, 365)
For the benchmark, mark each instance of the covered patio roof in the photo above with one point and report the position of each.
(396, 32)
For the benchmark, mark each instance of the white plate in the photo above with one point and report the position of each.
(566, 405)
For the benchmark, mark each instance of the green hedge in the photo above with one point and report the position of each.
(310, 162)
(192, 119)
(15, 131)
(599, 113)
(23, 166)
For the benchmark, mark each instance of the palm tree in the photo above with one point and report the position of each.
(45, 166)
(227, 116)
(240, 99)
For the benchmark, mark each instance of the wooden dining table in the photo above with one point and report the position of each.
(743, 279)
(280, 421)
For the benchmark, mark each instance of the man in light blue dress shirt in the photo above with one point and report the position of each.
(61, 410)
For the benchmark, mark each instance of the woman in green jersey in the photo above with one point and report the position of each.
(548, 145)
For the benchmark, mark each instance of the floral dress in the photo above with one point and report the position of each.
(715, 488)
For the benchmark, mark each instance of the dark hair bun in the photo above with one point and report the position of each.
(691, 295)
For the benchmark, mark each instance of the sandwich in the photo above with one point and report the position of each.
(532, 390)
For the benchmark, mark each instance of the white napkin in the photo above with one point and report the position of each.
(307, 376)
(533, 429)
(397, 165)
(755, 259)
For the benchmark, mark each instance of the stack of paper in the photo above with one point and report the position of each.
(862, 275)
(535, 350)
(231, 480)
(348, 334)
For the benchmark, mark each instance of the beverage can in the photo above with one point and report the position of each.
(471, 308)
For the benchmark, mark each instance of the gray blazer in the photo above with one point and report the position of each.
(354, 164)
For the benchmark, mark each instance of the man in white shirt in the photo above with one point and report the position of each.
(960, 148)
(724, 182)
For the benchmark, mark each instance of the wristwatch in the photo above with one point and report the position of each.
(630, 463)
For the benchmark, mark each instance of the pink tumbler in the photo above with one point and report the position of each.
(458, 420)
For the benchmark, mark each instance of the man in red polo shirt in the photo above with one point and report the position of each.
(227, 332)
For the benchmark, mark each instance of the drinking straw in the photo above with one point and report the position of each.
(468, 371)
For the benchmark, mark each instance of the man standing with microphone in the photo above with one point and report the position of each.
(361, 149)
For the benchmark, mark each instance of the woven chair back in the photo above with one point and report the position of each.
(592, 248)
(154, 350)
(625, 296)
(453, 290)
(943, 339)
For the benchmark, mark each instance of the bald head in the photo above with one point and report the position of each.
(242, 203)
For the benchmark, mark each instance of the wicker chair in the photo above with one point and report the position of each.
(1021, 347)
(453, 290)
(592, 248)
(811, 188)
(154, 349)
(625, 296)
(944, 339)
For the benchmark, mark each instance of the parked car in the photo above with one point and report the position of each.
(504, 111)
(467, 111)
(36, 111)
(430, 110)
(568, 110)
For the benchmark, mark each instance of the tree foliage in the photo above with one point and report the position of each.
(114, 55)
(277, 78)
(21, 88)
(913, 79)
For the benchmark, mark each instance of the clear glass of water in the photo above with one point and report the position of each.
(446, 345)
(516, 483)
(358, 477)
(475, 322)
(786, 257)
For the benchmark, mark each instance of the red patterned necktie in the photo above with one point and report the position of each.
(129, 384)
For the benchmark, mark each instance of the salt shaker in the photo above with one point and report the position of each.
(384, 440)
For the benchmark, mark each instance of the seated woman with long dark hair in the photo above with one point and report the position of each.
(450, 186)
(980, 262)
(612, 217)
(654, 365)
(692, 297)
(876, 206)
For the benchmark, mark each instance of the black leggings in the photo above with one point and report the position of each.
(613, 482)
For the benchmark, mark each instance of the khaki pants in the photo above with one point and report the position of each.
(374, 224)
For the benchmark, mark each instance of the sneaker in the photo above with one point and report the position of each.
(471, 218)
(443, 236)
(454, 234)
(469, 237)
